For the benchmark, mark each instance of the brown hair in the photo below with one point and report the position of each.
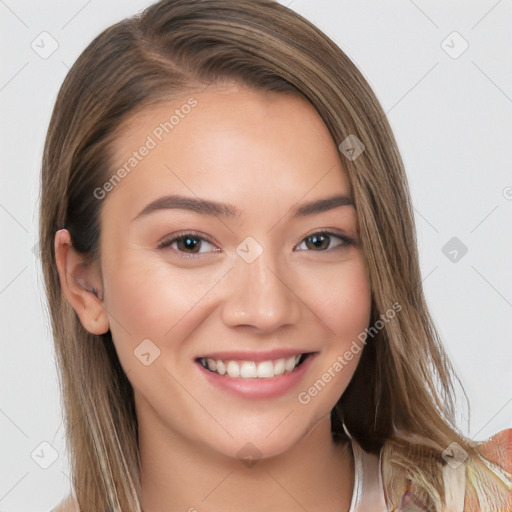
(175, 46)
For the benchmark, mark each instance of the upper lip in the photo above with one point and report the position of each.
(268, 355)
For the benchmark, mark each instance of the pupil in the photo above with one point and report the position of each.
(317, 241)
(189, 243)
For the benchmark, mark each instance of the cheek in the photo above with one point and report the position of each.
(148, 299)
(342, 300)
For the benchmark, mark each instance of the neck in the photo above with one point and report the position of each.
(178, 475)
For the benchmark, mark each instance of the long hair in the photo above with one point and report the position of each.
(402, 391)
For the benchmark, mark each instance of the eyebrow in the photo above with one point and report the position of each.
(214, 208)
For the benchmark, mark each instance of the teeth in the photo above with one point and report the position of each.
(289, 364)
(251, 369)
(266, 370)
(233, 369)
(221, 367)
(248, 370)
(279, 367)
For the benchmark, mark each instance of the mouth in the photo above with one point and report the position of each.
(250, 369)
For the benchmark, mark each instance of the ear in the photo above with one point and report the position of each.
(81, 284)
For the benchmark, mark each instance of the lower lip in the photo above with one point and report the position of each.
(258, 388)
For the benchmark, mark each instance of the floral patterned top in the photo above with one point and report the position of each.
(469, 487)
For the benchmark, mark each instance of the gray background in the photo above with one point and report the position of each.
(451, 117)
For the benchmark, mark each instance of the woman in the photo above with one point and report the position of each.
(229, 256)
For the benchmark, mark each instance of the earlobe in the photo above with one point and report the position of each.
(81, 284)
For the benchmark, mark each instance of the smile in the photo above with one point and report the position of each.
(253, 369)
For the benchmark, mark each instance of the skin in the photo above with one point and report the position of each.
(265, 153)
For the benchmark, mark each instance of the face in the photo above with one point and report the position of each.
(228, 301)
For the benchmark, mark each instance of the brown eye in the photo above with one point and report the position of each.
(188, 243)
(318, 242)
(322, 241)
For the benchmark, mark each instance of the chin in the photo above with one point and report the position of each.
(255, 440)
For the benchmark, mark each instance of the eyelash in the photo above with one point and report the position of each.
(345, 241)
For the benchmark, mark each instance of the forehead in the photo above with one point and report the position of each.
(228, 142)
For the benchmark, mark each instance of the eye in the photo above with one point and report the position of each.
(191, 244)
(321, 241)
(188, 243)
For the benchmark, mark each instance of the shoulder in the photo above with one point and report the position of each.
(498, 449)
(489, 474)
(68, 504)
(477, 480)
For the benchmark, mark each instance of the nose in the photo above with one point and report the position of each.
(261, 296)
